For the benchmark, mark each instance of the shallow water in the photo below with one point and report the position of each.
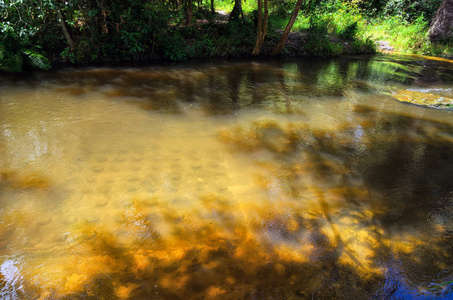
(227, 180)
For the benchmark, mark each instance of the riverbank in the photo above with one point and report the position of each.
(166, 37)
(157, 34)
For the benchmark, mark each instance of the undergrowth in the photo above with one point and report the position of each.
(403, 35)
(161, 31)
(407, 37)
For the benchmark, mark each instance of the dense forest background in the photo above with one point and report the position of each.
(41, 33)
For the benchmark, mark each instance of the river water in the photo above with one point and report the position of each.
(227, 180)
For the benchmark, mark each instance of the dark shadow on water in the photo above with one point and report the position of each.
(399, 167)
(212, 268)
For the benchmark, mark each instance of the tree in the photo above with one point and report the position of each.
(22, 24)
(189, 11)
(281, 44)
(65, 29)
(442, 24)
(262, 27)
(237, 11)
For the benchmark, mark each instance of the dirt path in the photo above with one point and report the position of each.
(384, 46)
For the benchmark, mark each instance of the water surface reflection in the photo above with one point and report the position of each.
(227, 180)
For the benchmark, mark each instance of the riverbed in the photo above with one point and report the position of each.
(227, 180)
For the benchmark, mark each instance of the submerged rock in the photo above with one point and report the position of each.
(424, 99)
(14, 180)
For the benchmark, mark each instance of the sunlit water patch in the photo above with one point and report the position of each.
(227, 180)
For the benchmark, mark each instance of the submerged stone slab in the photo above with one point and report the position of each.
(424, 99)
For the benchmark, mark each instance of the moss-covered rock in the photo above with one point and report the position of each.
(424, 99)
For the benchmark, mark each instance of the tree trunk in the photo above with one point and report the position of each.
(65, 29)
(281, 44)
(237, 11)
(189, 11)
(262, 27)
(442, 25)
(212, 7)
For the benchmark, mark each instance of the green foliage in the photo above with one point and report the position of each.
(337, 28)
(302, 22)
(444, 50)
(349, 32)
(113, 31)
(277, 21)
(203, 47)
(174, 47)
(68, 55)
(14, 54)
(37, 60)
(132, 43)
(12, 61)
(227, 5)
(342, 19)
(318, 45)
(363, 46)
(84, 52)
(406, 36)
(9, 60)
(21, 27)
(410, 9)
(403, 35)
(213, 39)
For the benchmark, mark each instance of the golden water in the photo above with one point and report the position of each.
(227, 181)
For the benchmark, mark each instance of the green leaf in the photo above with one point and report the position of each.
(93, 13)
(37, 60)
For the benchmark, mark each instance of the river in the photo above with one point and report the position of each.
(304, 179)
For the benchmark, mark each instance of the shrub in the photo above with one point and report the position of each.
(349, 32)
(411, 10)
(403, 35)
(15, 54)
(174, 47)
